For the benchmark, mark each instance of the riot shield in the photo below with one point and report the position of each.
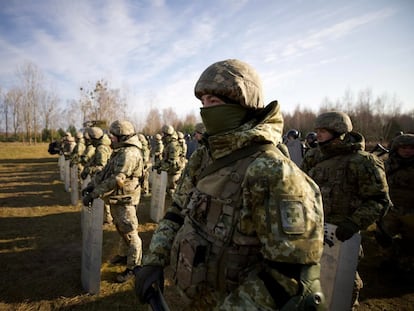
(338, 267)
(159, 187)
(61, 165)
(67, 175)
(74, 185)
(92, 219)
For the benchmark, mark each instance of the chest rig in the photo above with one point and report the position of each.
(208, 251)
(338, 186)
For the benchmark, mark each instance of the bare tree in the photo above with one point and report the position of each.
(102, 103)
(153, 122)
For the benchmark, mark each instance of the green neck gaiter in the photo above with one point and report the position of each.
(222, 118)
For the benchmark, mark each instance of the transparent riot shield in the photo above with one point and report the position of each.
(159, 187)
(338, 267)
(61, 165)
(67, 175)
(74, 185)
(92, 219)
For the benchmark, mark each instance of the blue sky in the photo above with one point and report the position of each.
(154, 51)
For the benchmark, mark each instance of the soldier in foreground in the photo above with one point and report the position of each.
(119, 183)
(249, 236)
(352, 181)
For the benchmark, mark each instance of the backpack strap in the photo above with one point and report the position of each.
(235, 156)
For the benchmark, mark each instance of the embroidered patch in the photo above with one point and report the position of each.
(292, 216)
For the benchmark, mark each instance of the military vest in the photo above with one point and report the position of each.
(208, 250)
(338, 186)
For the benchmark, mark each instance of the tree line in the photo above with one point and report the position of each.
(30, 111)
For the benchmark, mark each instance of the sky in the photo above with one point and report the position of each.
(155, 50)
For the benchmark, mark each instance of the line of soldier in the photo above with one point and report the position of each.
(246, 226)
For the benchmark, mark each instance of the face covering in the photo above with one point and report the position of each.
(222, 118)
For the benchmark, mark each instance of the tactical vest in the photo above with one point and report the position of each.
(208, 250)
(338, 186)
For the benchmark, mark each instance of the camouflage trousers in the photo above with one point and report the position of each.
(126, 223)
(252, 294)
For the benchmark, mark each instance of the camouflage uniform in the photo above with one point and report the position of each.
(79, 149)
(156, 151)
(399, 222)
(171, 162)
(119, 183)
(68, 144)
(89, 150)
(247, 235)
(97, 162)
(147, 163)
(183, 150)
(352, 181)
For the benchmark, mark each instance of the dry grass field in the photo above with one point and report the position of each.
(40, 247)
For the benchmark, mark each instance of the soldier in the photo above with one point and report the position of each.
(89, 150)
(197, 137)
(171, 162)
(156, 151)
(68, 144)
(183, 150)
(78, 150)
(352, 181)
(97, 162)
(119, 183)
(249, 236)
(398, 224)
(147, 164)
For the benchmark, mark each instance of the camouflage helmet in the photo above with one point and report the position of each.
(402, 140)
(95, 132)
(336, 121)
(200, 128)
(234, 80)
(180, 135)
(158, 137)
(168, 130)
(79, 135)
(121, 128)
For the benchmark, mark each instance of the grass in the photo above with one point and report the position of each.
(40, 240)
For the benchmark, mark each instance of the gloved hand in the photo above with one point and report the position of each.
(88, 189)
(87, 199)
(144, 278)
(346, 229)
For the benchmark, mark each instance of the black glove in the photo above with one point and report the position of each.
(144, 278)
(346, 230)
(87, 199)
(88, 189)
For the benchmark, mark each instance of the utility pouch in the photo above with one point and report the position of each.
(188, 258)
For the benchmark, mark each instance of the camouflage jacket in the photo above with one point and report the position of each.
(171, 161)
(352, 181)
(87, 154)
(119, 180)
(101, 156)
(78, 151)
(271, 188)
(400, 177)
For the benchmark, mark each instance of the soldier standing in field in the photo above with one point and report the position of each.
(171, 162)
(79, 149)
(352, 181)
(147, 163)
(97, 162)
(249, 234)
(119, 184)
(398, 224)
